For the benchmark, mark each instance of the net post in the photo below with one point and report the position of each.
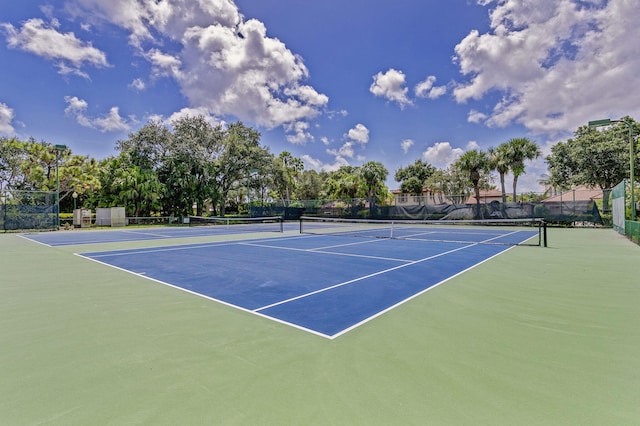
(281, 221)
(544, 232)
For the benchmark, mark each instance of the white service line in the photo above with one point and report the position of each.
(334, 253)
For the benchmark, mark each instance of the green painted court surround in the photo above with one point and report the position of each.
(534, 336)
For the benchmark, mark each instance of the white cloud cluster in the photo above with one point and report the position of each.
(391, 85)
(45, 40)
(6, 117)
(557, 64)
(426, 89)
(109, 122)
(356, 138)
(359, 134)
(223, 63)
(442, 154)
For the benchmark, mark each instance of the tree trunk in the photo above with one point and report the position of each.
(504, 190)
(515, 183)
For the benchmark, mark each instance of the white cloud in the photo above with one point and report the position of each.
(138, 84)
(441, 154)
(318, 165)
(471, 145)
(406, 144)
(391, 86)
(6, 117)
(476, 116)
(297, 133)
(345, 151)
(192, 112)
(355, 138)
(109, 122)
(359, 134)
(426, 89)
(222, 62)
(557, 64)
(43, 40)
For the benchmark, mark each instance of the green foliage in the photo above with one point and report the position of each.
(310, 184)
(286, 173)
(413, 177)
(30, 165)
(593, 157)
(373, 175)
(596, 157)
(499, 161)
(516, 152)
(474, 163)
(412, 185)
(353, 182)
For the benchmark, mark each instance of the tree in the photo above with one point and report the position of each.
(286, 172)
(344, 183)
(78, 174)
(139, 190)
(413, 185)
(12, 155)
(562, 166)
(311, 183)
(474, 163)
(128, 185)
(413, 177)
(593, 157)
(241, 152)
(190, 163)
(373, 175)
(518, 150)
(500, 162)
(147, 147)
(31, 166)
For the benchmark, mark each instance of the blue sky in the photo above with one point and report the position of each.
(334, 82)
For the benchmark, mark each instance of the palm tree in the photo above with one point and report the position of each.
(374, 175)
(500, 163)
(517, 151)
(474, 162)
(139, 190)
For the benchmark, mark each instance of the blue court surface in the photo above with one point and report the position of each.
(66, 238)
(323, 284)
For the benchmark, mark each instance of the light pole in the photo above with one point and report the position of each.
(59, 149)
(632, 156)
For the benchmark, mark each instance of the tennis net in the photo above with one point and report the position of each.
(503, 231)
(240, 224)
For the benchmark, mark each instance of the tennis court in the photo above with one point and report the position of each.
(219, 227)
(524, 335)
(324, 284)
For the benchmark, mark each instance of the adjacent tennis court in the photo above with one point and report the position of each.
(324, 284)
(198, 227)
